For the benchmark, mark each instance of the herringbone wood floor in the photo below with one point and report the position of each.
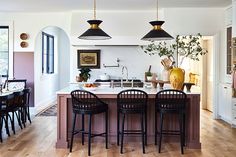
(38, 140)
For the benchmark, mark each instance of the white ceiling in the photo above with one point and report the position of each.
(68, 5)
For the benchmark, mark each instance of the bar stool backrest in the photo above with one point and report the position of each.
(171, 100)
(84, 101)
(132, 99)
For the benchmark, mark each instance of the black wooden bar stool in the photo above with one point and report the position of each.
(132, 101)
(87, 103)
(172, 102)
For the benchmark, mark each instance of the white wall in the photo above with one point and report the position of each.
(234, 19)
(32, 23)
(133, 57)
(64, 59)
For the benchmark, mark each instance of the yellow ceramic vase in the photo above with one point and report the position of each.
(177, 78)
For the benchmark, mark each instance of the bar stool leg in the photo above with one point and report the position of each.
(143, 133)
(106, 123)
(162, 117)
(184, 129)
(72, 134)
(155, 127)
(89, 135)
(1, 123)
(82, 119)
(181, 132)
(122, 132)
(118, 128)
(145, 126)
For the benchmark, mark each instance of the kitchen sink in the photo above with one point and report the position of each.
(117, 82)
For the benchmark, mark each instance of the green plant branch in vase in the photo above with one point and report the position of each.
(184, 47)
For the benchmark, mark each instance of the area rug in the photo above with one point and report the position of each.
(51, 111)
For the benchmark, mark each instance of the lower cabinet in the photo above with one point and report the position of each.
(225, 102)
(234, 112)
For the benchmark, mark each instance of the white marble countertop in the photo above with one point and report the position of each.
(116, 90)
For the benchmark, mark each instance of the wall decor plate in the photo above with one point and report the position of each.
(24, 36)
(24, 44)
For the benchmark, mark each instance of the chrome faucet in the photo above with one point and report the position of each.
(124, 67)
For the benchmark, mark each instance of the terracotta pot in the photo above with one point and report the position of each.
(79, 79)
(177, 78)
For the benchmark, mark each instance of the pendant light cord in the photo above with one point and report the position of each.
(157, 9)
(94, 9)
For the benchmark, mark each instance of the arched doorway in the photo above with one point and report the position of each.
(47, 82)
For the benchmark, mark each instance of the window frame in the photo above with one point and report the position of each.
(50, 67)
(6, 27)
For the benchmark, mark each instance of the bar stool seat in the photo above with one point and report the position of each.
(132, 101)
(172, 102)
(87, 103)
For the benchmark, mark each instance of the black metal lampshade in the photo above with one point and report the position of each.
(94, 32)
(157, 33)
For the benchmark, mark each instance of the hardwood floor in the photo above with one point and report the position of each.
(38, 140)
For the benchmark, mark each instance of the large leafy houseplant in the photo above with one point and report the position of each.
(184, 47)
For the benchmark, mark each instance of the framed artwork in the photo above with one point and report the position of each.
(88, 58)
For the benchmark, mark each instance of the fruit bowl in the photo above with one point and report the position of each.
(89, 87)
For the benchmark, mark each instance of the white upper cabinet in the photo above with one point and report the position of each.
(234, 18)
(228, 17)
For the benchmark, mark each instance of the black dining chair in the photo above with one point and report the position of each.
(25, 106)
(15, 84)
(87, 103)
(171, 102)
(14, 107)
(132, 101)
(4, 101)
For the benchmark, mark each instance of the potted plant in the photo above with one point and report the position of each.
(84, 74)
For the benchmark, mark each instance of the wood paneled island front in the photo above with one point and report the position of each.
(108, 95)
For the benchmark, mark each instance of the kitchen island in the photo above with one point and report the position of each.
(108, 95)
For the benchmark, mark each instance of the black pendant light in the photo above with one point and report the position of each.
(94, 32)
(157, 33)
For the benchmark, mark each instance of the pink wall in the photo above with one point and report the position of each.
(24, 69)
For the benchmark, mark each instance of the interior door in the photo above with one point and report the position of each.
(209, 75)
